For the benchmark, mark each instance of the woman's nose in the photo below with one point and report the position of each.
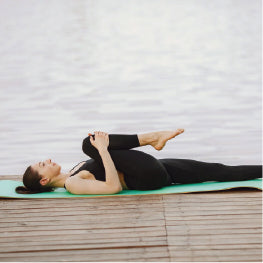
(49, 160)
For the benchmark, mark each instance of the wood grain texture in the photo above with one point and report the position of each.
(208, 226)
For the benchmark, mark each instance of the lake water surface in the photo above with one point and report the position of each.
(68, 68)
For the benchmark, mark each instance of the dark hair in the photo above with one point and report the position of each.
(31, 181)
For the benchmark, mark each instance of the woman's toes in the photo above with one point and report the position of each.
(181, 130)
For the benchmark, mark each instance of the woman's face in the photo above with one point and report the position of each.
(47, 168)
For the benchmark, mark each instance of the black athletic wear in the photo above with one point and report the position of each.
(142, 171)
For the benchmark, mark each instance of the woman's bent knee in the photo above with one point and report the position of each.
(86, 145)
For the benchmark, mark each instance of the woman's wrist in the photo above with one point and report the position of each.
(102, 149)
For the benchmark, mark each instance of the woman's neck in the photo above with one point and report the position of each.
(60, 180)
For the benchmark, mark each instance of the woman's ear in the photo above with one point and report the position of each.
(44, 181)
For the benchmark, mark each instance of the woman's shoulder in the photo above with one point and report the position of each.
(77, 178)
(72, 180)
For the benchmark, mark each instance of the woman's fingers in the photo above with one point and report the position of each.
(101, 139)
(100, 133)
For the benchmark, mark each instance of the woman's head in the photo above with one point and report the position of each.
(39, 177)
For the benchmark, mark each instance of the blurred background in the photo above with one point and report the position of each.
(68, 68)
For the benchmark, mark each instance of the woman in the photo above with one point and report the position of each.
(114, 166)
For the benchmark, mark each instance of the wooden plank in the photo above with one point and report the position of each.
(196, 237)
(151, 207)
(61, 232)
(87, 212)
(69, 216)
(214, 252)
(208, 258)
(44, 230)
(90, 254)
(94, 252)
(90, 200)
(215, 231)
(214, 240)
(170, 226)
(82, 237)
(171, 220)
(216, 207)
(212, 212)
(90, 240)
(34, 208)
(75, 224)
(98, 258)
(216, 246)
(131, 199)
(225, 226)
(135, 242)
(80, 232)
(75, 257)
(210, 218)
(210, 200)
(147, 214)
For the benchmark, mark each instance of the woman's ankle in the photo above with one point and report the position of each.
(147, 138)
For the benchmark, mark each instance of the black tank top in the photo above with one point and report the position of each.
(94, 167)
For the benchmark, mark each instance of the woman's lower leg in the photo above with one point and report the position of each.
(191, 171)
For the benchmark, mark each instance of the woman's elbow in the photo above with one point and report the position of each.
(117, 190)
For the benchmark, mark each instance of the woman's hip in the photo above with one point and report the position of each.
(142, 171)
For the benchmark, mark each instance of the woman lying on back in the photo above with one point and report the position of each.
(114, 166)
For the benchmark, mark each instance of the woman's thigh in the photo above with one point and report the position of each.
(142, 171)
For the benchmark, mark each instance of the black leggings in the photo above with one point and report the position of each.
(142, 171)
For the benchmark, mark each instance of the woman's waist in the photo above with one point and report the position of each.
(122, 181)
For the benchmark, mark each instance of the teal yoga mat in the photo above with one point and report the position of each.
(7, 189)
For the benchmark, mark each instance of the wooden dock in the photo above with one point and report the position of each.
(209, 226)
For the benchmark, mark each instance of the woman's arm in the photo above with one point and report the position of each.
(112, 178)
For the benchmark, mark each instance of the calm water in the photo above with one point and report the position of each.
(68, 68)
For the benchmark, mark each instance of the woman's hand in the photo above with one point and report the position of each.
(101, 141)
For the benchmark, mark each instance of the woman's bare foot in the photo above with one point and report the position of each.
(161, 137)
